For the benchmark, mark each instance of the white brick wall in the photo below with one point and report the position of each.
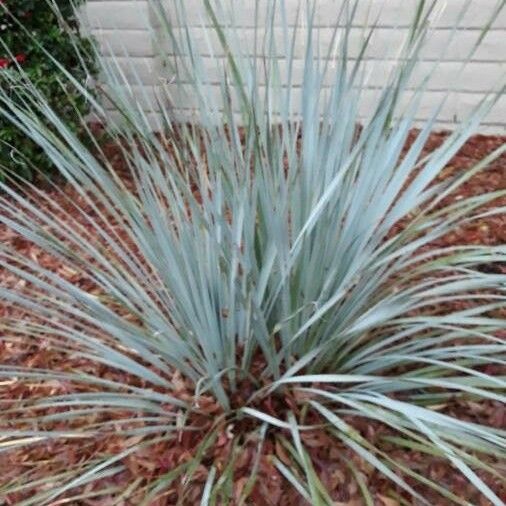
(126, 29)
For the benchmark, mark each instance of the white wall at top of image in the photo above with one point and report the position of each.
(126, 27)
(388, 13)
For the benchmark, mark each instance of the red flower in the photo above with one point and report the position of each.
(4, 63)
(21, 58)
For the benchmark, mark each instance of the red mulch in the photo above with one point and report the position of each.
(271, 488)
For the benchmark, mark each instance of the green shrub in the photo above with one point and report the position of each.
(29, 29)
(246, 288)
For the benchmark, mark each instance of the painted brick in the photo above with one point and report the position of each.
(132, 71)
(129, 27)
(124, 42)
(474, 76)
(144, 97)
(116, 14)
(386, 12)
(385, 42)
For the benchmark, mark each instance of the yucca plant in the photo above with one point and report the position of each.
(253, 313)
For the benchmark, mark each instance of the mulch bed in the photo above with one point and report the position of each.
(272, 489)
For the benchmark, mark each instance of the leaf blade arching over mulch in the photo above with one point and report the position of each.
(165, 456)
